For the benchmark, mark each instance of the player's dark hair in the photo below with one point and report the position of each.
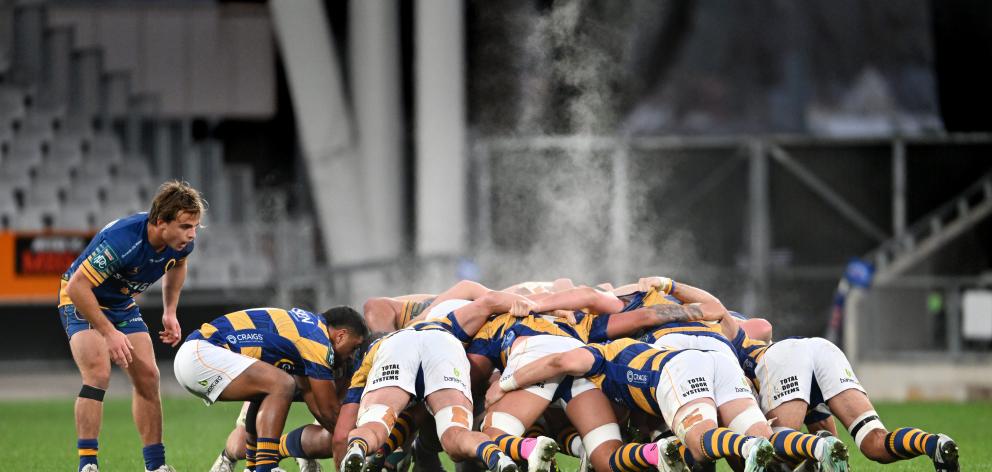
(174, 197)
(347, 318)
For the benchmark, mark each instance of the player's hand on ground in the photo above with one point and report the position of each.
(171, 333)
(494, 394)
(119, 347)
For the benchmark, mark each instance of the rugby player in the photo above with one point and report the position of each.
(797, 375)
(104, 323)
(388, 379)
(297, 350)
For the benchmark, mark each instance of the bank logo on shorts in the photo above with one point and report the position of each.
(210, 384)
(457, 378)
(744, 387)
(850, 377)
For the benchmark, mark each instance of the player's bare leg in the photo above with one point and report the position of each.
(453, 416)
(591, 412)
(376, 415)
(276, 388)
(828, 451)
(506, 421)
(695, 424)
(855, 411)
(89, 351)
(146, 405)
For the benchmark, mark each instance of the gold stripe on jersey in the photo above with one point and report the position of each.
(284, 324)
(637, 394)
(406, 313)
(240, 320)
(254, 352)
(312, 351)
(207, 330)
(92, 274)
(361, 376)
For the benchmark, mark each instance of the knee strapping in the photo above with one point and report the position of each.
(505, 422)
(93, 393)
(599, 435)
(691, 416)
(377, 413)
(864, 424)
(747, 418)
(452, 417)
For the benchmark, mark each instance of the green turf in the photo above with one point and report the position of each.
(40, 436)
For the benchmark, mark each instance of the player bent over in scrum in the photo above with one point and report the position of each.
(433, 346)
(219, 362)
(687, 388)
(788, 373)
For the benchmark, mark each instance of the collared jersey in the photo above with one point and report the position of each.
(628, 371)
(496, 337)
(294, 340)
(412, 309)
(121, 263)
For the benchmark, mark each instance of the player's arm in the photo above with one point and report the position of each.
(471, 317)
(580, 297)
(80, 291)
(347, 418)
(711, 306)
(172, 284)
(321, 398)
(414, 297)
(576, 362)
(382, 314)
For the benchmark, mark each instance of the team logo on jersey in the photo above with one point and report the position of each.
(168, 265)
(285, 364)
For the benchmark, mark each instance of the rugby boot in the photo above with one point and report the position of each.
(308, 465)
(222, 464)
(542, 455)
(354, 460)
(90, 468)
(669, 459)
(834, 455)
(505, 464)
(165, 468)
(761, 454)
(946, 457)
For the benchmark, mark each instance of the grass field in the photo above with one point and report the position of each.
(39, 435)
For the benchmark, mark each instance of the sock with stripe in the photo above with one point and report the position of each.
(267, 454)
(87, 452)
(362, 444)
(400, 433)
(571, 442)
(686, 454)
(154, 455)
(634, 457)
(291, 443)
(488, 453)
(250, 448)
(906, 443)
(535, 430)
(722, 442)
(516, 447)
(794, 446)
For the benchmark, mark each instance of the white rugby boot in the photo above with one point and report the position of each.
(90, 468)
(542, 455)
(946, 457)
(162, 468)
(759, 456)
(222, 464)
(354, 460)
(669, 459)
(308, 465)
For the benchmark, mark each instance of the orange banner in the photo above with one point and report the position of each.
(31, 264)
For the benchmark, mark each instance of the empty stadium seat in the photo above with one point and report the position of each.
(43, 197)
(83, 195)
(104, 147)
(77, 217)
(33, 219)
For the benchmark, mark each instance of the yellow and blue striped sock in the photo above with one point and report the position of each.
(267, 455)
(630, 458)
(399, 434)
(794, 446)
(905, 443)
(87, 451)
(488, 453)
(722, 442)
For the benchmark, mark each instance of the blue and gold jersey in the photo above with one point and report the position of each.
(448, 324)
(749, 352)
(627, 371)
(496, 337)
(655, 296)
(121, 263)
(295, 340)
(412, 309)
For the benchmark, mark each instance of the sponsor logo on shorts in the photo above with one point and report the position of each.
(744, 387)
(786, 386)
(696, 385)
(210, 384)
(850, 377)
(635, 378)
(456, 379)
(388, 372)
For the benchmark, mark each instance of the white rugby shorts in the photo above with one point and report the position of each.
(206, 370)
(403, 354)
(535, 347)
(691, 375)
(789, 367)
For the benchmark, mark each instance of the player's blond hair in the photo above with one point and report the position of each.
(174, 197)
